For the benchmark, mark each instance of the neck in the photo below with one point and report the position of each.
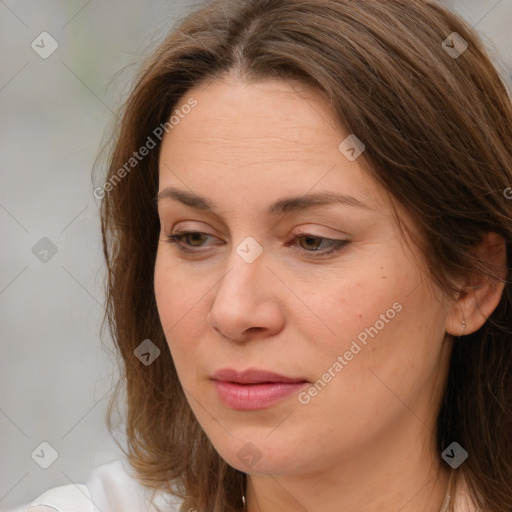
(391, 477)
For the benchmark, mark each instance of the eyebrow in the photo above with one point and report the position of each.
(281, 206)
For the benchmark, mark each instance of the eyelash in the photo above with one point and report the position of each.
(338, 245)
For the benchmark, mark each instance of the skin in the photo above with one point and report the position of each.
(366, 440)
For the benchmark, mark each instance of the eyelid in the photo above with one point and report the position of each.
(302, 231)
(185, 230)
(336, 245)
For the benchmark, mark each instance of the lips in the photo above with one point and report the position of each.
(254, 389)
(252, 376)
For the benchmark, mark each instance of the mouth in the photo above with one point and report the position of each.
(254, 389)
(252, 376)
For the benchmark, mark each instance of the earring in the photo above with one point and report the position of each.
(463, 327)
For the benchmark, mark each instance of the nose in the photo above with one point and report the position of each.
(247, 301)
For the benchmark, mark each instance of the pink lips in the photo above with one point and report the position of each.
(254, 389)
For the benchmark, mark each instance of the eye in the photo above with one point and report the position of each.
(178, 237)
(334, 245)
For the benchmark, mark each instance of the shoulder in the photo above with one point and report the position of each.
(66, 498)
(109, 488)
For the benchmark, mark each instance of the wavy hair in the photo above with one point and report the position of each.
(438, 134)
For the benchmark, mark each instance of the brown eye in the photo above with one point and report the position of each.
(310, 246)
(186, 241)
(309, 240)
(195, 236)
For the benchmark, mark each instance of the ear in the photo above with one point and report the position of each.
(482, 293)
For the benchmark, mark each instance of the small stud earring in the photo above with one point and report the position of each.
(463, 327)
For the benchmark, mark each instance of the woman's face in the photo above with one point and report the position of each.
(360, 330)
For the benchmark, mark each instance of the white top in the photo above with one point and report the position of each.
(110, 488)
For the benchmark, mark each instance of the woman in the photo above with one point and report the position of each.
(307, 229)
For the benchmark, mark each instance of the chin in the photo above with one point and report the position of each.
(260, 456)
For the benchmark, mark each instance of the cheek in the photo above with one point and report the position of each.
(181, 304)
(176, 291)
(360, 302)
(166, 283)
(389, 337)
(380, 318)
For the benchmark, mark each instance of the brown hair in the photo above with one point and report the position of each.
(437, 131)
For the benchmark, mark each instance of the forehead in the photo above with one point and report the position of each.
(258, 115)
(261, 136)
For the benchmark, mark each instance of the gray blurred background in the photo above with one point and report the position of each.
(56, 373)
